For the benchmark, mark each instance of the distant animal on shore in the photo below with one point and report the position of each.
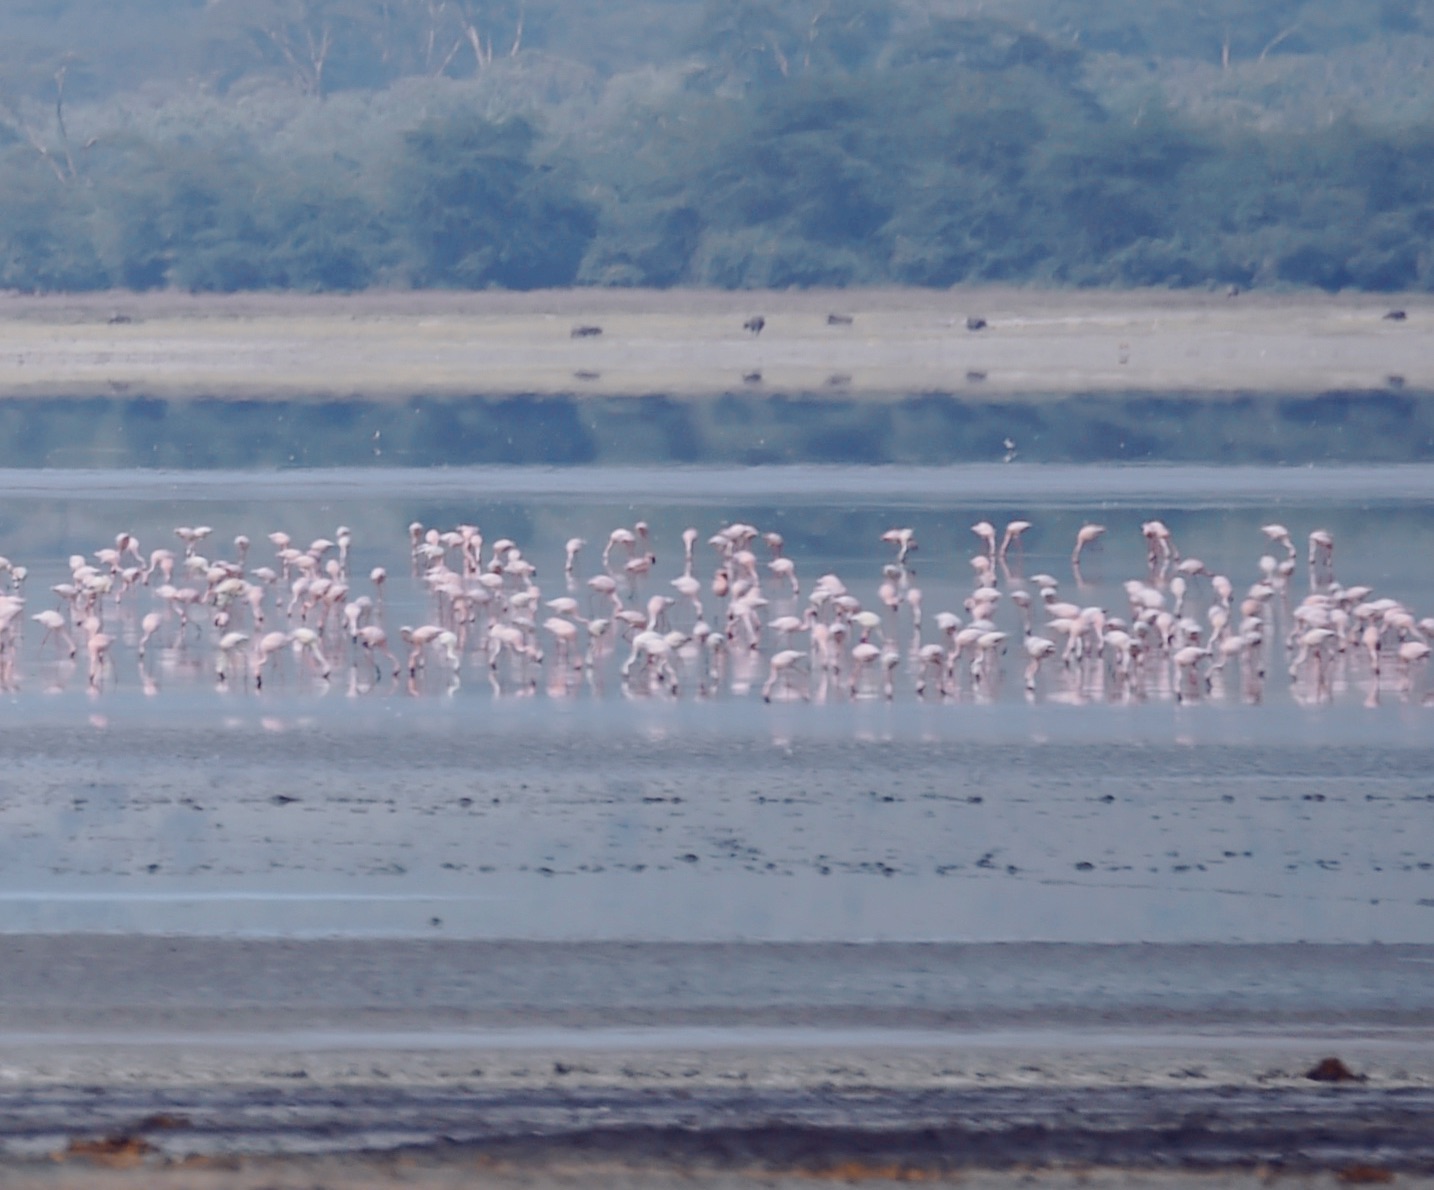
(973, 323)
(586, 331)
(839, 320)
(1395, 316)
(754, 324)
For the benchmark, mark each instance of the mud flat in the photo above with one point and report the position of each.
(685, 343)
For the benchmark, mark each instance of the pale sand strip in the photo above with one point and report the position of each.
(125, 1011)
(686, 343)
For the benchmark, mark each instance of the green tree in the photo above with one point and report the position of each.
(478, 208)
(45, 241)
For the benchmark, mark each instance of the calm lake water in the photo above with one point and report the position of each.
(147, 795)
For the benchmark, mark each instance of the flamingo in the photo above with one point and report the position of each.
(54, 625)
(780, 672)
(987, 533)
(1084, 537)
(1278, 533)
(565, 633)
(98, 647)
(230, 646)
(1012, 537)
(1037, 648)
(372, 638)
(1321, 558)
(307, 642)
(269, 646)
(903, 539)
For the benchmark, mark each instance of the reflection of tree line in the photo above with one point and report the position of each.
(740, 428)
(761, 143)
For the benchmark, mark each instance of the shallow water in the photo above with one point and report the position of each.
(155, 798)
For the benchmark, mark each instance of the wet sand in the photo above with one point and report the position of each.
(694, 343)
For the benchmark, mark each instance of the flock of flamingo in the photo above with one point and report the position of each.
(743, 620)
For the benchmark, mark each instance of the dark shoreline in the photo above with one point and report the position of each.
(932, 1134)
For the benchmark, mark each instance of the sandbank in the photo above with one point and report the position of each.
(696, 343)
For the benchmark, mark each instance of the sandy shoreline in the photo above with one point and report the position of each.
(425, 1061)
(687, 343)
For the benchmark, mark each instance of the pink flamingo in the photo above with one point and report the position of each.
(269, 646)
(1015, 530)
(1084, 537)
(98, 647)
(903, 539)
(987, 533)
(781, 668)
(54, 625)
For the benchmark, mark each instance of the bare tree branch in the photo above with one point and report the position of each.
(518, 32)
(60, 118)
(1276, 39)
(11, 114)
(482, 54)
(60, 160)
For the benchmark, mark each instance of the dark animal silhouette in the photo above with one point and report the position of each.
(585, 332)
(755, 324)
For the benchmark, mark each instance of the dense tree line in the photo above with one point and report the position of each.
(340, 144)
